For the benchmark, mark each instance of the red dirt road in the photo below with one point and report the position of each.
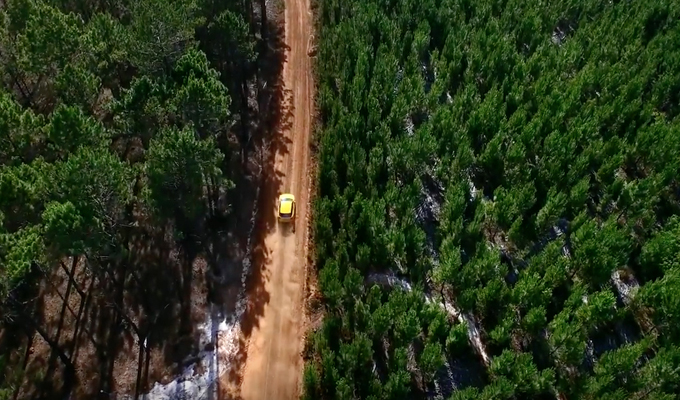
(273, 363)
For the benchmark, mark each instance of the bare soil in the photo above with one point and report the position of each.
(177, 283)
(170, 287)
(102, 347)
(273, 324)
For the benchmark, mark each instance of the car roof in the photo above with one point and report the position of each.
(286, 207)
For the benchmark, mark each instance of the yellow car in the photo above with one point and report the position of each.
(286, 207)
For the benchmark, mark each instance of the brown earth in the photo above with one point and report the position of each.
(104, 351)
(170, 287)
(273, 325)
(180, 287)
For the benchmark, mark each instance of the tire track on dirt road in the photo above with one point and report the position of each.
(274, 363)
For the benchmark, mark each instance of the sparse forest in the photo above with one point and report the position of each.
(126, 133)
(498, 206)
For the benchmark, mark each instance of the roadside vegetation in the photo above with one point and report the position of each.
(498, 209)
(125, 132)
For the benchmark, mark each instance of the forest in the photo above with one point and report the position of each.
(498, 204)
(127, 130)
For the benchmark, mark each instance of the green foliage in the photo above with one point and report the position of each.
(548, 134)
(70, 129)
(520, 369)
(21, 131)
(431, 359)
(19, 251)
(311, 383)
(179, 167)
(160, 32)
(198, 96)
(107, 107)
(234, 38)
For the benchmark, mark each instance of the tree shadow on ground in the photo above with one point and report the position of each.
(82, 324)
(161, 289)
(275, 105)
(164, 287)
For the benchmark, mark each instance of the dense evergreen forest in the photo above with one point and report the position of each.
(498, 214)
(126, 128)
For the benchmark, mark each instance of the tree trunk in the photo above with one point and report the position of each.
(71, 283)
(71, 276)
(263, 21)
(249, 12)
(140, 367)
(118, 300)
(24, 364)
(118, 296)
(64, 307)
(84, 304)
(30, 325)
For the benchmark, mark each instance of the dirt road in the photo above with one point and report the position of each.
(273, 362)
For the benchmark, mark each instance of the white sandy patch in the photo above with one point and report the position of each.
(224, 333)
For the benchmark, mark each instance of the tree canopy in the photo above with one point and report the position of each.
(502, 177)
(117, 126)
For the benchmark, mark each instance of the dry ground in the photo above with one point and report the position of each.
(180, 280)
(169, 286)
(167, 296)
(273, 325)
